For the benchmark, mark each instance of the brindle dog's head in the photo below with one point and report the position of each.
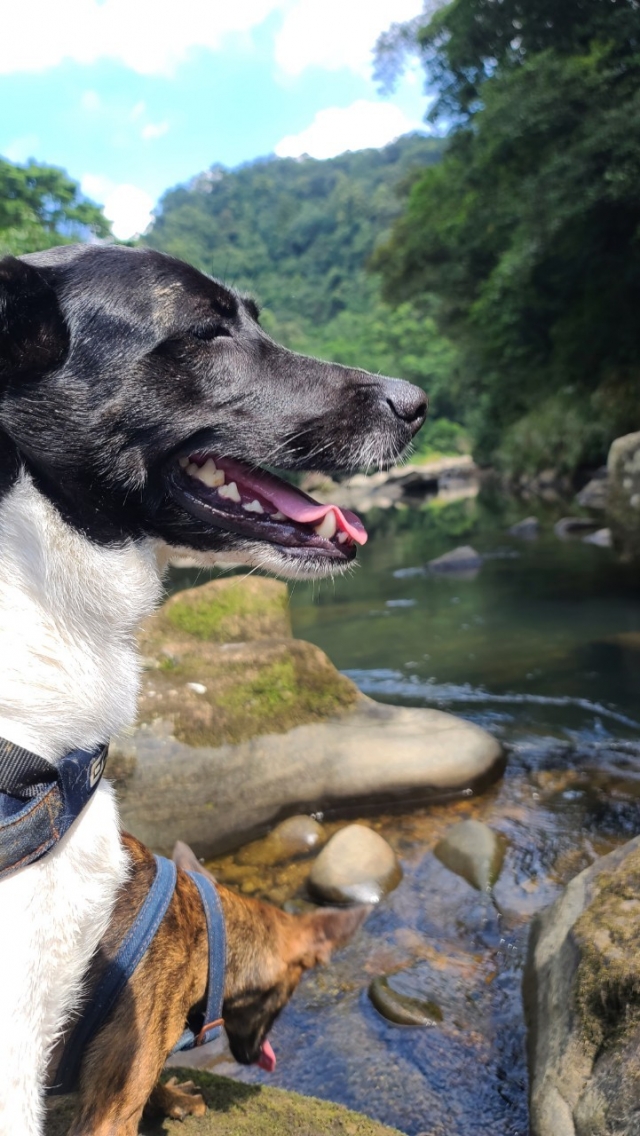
(268, 951)
(143, 397)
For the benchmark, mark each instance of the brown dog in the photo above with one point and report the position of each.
(267, 953)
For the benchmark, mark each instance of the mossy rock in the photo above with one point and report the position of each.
(237, 1109)
(623, 498)
(214, 695)
(607, 935)
(222, 611)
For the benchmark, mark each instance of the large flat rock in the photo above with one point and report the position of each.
(216, 797)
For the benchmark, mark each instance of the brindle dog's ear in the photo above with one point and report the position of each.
(329, 928)
(33, 335)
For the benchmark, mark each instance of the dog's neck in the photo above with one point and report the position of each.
(69, 611)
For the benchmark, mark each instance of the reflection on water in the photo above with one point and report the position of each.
(542, 647)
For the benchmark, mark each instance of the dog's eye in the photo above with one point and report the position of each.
(210, 331)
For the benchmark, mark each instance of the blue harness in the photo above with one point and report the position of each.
(40, 801)
(131, 951)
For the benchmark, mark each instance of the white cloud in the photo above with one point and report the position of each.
(154, 130)
(153, 36)
(336, 33)
(354, 127)
(148, 36)
(127, 206)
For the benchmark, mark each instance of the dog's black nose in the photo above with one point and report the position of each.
(407, 402)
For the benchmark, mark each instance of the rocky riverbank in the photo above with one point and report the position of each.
(231, 700)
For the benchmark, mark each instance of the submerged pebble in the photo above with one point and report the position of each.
(356, 866)
(472, 850)
(400, 1008)
(297, 836)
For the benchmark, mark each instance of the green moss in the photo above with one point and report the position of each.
(236, 1109)
(228, 611)
(608, 938)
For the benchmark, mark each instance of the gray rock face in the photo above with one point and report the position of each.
(170, 791)
(473, 851)
(461, 560)
(594, 494)
(623, 503)
(526, 529)
(601, 538)
(356, 866)
(582, 1002)
(574, 526)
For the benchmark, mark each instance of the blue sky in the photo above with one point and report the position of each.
(134, 96)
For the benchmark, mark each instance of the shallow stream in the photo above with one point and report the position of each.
(542, 647)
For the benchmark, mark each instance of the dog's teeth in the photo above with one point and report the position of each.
(253, 507)
(342, 538)
(192, 469)
(230, 491)
(278, 516)
(209, 475)
(183, 463)
(327, 527)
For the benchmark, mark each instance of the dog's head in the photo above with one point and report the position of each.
(268, 951)
(144, 398)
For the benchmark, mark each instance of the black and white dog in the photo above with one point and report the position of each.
(139, 401)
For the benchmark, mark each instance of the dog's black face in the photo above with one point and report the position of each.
(144, 397)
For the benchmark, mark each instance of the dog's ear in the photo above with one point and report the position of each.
(184, 857)
(327, 929)
(33, 335)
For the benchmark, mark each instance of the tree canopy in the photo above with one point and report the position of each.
(40, 206)
(528, 231)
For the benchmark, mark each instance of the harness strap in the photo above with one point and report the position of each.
(40, 800)
(117, 974)
(212, 1019)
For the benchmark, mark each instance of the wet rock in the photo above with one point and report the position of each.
(237, 1109)
(461, 560)
(401, 1008)
(574, 526)
(473, 851)
(527, 529)
(356, 866)
(297, 836)
(594, 494)
(582, 1001)
(623, 503)
(362, 752)
(602, 538)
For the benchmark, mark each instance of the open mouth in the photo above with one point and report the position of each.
(232, 495)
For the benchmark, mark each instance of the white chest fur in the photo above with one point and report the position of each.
(69, 611)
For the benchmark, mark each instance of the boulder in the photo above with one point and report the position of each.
(473, 851)
(623, 503)
(464, 560)
(594, 494)
(582, 1002)
(222, 611)
(356, 866)
(569, 527)
(601, 538)
(368, 753)
(237, 1109)
(527, 529)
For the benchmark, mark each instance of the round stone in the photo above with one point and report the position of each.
(297, 836)
(355, 866)
(400, 1008)
(473, 851)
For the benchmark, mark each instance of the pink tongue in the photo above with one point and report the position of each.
(267, 1058)
(292, 502)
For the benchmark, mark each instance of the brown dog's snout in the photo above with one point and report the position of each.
(407, 402)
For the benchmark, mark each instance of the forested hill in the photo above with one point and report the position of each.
(295, 232)
(298, 234)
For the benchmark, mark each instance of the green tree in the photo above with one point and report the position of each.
(40, 206)
(529, 229)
